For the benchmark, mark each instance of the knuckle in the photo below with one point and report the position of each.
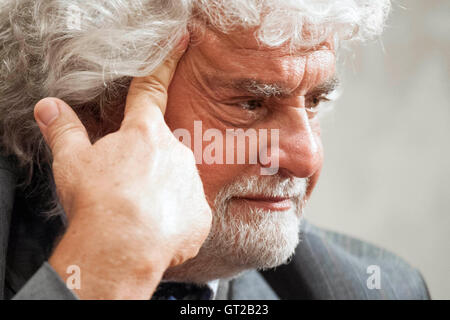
(148, 120)
(157, 88)
(143, 128)
(147, 127)
(65, 130)
(152, 88)
(148, 84)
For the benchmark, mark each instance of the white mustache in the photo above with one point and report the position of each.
(268, 186)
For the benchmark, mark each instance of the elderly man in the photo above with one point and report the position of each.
(179, 153)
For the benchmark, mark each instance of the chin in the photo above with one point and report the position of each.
(243, 238)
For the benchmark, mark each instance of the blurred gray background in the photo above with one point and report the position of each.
(386, 177)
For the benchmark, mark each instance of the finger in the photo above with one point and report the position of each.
(147, 96)
(60, 126)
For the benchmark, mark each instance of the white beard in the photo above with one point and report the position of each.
(243, 237)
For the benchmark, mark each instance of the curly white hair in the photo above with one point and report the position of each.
(85, 52)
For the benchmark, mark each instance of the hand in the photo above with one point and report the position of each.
(134, 199)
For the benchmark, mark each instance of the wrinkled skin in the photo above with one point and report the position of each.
(194, 96)
(128, 220)
(137, 238)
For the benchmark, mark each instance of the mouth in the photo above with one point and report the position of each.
(267, 203)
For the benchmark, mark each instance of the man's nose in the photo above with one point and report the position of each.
(299, 150)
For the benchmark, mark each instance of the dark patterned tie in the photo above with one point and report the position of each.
(182, 291)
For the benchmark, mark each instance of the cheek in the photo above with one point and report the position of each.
(216, 176)
(187, 104)
(184, 107)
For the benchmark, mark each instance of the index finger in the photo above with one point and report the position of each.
(150, 92)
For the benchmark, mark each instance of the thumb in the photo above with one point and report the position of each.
(60, 126)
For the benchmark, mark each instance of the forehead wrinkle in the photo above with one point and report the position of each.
(258, 72)
(222, 58)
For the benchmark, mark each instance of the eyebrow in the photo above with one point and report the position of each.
(326, 87)
(266, 90)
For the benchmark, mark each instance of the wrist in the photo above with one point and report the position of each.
(107, 269)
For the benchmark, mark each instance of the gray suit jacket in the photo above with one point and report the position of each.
(326, 265)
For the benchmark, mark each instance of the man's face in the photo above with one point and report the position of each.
(230, 82)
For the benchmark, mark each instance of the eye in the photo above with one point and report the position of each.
(313, 102)
(251, 104)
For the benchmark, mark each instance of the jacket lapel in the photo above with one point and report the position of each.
(8, 179)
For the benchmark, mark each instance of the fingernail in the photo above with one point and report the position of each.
(47, 111)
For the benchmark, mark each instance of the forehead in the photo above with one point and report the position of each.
(237, 55)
